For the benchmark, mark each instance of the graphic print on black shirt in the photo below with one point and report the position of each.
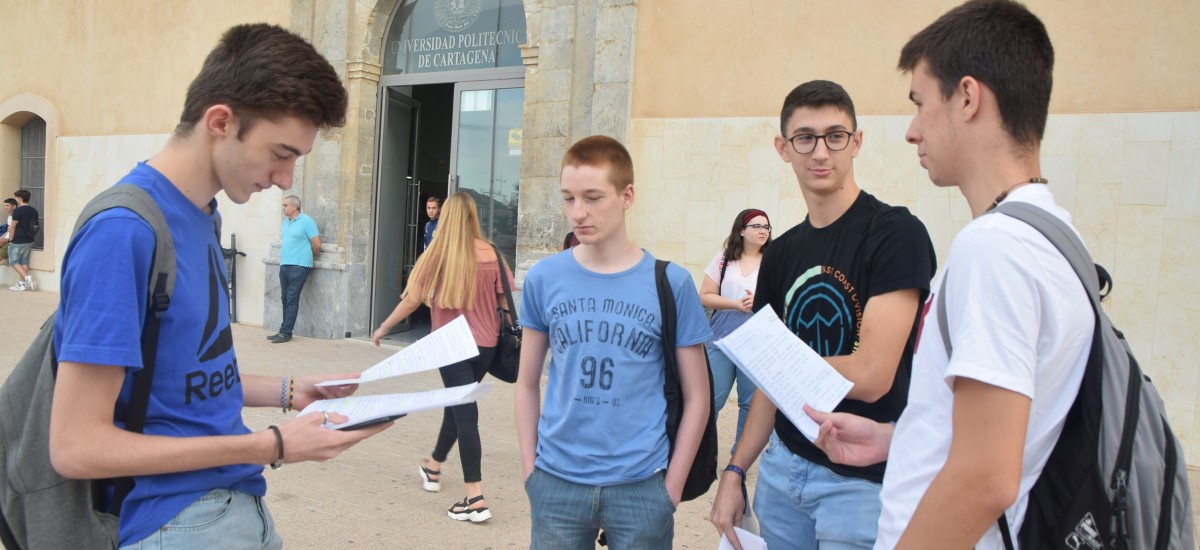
(828, 312)
(819, 281)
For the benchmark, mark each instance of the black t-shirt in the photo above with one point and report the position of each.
(819, 281)
(23, 216)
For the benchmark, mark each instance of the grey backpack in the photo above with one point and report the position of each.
(1116, 478)
(38, 507)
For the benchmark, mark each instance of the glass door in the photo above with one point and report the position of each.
(485, 155)
(396, 195)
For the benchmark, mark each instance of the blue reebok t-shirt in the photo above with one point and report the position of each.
(604, 417)
(197, 387)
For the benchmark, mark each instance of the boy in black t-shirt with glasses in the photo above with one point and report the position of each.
(849, 281)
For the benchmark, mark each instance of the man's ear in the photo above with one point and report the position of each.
(627, 196)
(220, 121)
(971, 95)
(781, 146)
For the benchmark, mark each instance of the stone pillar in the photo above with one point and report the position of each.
(578, 82)
(335, 181)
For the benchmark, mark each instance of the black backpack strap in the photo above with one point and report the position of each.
(672, 389)
(161, 286)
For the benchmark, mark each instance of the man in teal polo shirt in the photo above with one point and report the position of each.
(299, 244)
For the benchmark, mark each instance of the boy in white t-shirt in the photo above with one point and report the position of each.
(980, 425)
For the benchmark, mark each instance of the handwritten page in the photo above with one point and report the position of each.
(444, 346)
(749, 540)
(366, 408)
(785, 368)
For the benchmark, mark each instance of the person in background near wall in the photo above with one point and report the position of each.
(10, 204)
(22, 241)
(458, 275)
(299, 244)
(433, 208)
(728, 289)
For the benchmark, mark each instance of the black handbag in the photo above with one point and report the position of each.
(507, 360)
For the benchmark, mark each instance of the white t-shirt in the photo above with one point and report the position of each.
(735, 284)
(1020, 320)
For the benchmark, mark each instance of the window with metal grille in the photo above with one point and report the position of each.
(33, 170)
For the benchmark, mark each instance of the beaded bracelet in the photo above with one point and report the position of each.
(291, 391)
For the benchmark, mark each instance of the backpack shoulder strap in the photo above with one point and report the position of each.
(136, 199)
(1061, 236)
(666, 304)
(161, 286)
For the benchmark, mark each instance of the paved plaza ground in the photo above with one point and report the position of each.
(370, 496)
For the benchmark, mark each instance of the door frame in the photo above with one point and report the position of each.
(492, 74)
(375, 317)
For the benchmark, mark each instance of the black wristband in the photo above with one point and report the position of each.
(279, 446)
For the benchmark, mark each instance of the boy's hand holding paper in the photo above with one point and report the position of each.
(785, 368)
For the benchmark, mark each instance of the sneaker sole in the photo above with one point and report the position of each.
(429, 486)
(471, 515)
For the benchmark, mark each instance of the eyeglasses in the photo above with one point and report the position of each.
(807, 143)
(759, 226)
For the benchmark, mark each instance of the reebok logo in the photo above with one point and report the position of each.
(1085, 536)
(212, 382)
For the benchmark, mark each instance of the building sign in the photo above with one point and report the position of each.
(450, 35)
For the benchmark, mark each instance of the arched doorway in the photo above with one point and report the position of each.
(451, 102)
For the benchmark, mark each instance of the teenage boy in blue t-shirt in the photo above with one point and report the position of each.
(595, 454)
(255, 107)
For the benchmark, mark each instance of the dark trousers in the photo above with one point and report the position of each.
(461, 422)
(291, 282)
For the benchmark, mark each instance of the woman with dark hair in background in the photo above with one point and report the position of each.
(728, 289)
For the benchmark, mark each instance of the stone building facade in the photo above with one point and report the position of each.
(692, 86)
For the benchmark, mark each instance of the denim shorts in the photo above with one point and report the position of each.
(634, 516)
(803, 505)
(223, 519)
(18, 254)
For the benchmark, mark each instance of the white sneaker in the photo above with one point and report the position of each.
(30, 285)
(20, 286)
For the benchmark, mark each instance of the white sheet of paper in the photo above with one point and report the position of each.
(785, 368)
(371, 407)
(445, 346)
(749, 540)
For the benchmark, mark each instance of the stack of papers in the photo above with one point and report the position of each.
(785, 369)
(445, 346)
(372, 408)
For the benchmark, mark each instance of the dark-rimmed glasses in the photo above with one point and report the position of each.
(807, 143)
(758, 226)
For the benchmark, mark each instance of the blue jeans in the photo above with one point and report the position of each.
(291, 282)
(724, 372)
(636, 515)
(804, 505)
(220, 519)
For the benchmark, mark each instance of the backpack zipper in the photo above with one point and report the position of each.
(1163, 538)
(1118, 526)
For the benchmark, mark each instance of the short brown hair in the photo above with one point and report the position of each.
(817, 93)
(1001, 44)
(264, 71)
(602, 152)
(433, 199)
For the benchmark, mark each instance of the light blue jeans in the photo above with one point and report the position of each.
(634, 516)
(803, 505)
(724, 372)
(220, 519)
